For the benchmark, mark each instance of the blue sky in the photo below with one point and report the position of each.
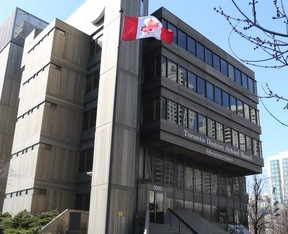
(201, 16)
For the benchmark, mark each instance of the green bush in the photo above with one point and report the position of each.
(25, 222)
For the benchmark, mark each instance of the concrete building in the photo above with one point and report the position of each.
(277, 170)
(135, 132)
(12, 35)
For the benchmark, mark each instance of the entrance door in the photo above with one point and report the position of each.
(156, 206)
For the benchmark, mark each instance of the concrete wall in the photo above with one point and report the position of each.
(112, 204)
(47, 135)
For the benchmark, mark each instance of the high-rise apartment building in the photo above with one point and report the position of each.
(133, 131)
(12, 35)
(277, 168)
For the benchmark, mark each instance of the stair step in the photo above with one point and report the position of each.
(167, 229)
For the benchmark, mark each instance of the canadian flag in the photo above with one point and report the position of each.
(143, 27)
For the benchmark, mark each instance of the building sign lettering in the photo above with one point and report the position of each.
(219, 146)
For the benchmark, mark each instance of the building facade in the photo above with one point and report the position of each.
(278, 174)
(12, 35)
(132, 130)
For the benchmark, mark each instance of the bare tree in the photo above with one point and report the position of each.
(4, 168)
(259, 206)
(249, 25)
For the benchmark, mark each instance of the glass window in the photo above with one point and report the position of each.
(192, 120)
(189, 178)
(242, 141)
(216, 62)
(148, 111)
(233, 107)
(237, 76)
(225, 99)
(174, 29)
(215, 215)
(172, 111)
(172, 70)
(231, 71)
(178, 175)
(211, 128)
(219, 131)
(218, 95)
(229, 184)
(163, 108)
(240, 108)
(202, 124)
(201, 86)
(222, 185)
(191, 46)
(210, 91)
(200, 51)
(192, 81)
(208, 57)
(182, 39)
(246, 111)
(235, 138)
(230, 215)
(236, 188)
(244, 81)
(89, 83)
(206, 182)
(182, 76)
(197, 180)
(227, 135)
(164, 66)
(207, 211)
(255, 148)
(158, 170)
(96, 76)
(249, 144)
(168, 169)
(165, 23)
(182, 116)
(214, 183)
(222, 215)
(253, 115)
(251, 85)
(224, 67)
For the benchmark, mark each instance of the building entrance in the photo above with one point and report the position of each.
(156, 206)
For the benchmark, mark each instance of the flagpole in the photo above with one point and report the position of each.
(121, 11)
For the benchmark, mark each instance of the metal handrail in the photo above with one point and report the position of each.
(147, 219)
(182, 221)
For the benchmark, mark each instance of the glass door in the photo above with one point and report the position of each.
(156, 206)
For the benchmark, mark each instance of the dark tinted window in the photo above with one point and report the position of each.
(192, 78)
(201, 86)
(182, 39)
(200, 51)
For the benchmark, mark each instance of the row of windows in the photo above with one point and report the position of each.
(89, 119)
(92, 82)
(209, 57)
(184, 77)
(86, 160)
(164, 170)
(188, 118)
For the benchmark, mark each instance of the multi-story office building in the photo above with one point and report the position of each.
(12, 35)
(277, 168)
(125, 129)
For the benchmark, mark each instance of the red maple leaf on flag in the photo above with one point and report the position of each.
(151, 24)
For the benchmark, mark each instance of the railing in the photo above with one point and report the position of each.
(180, 220)
(147, 219)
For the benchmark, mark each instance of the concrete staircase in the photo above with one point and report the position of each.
(156, 228)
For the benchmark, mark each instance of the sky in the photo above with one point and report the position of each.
(201, 16)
